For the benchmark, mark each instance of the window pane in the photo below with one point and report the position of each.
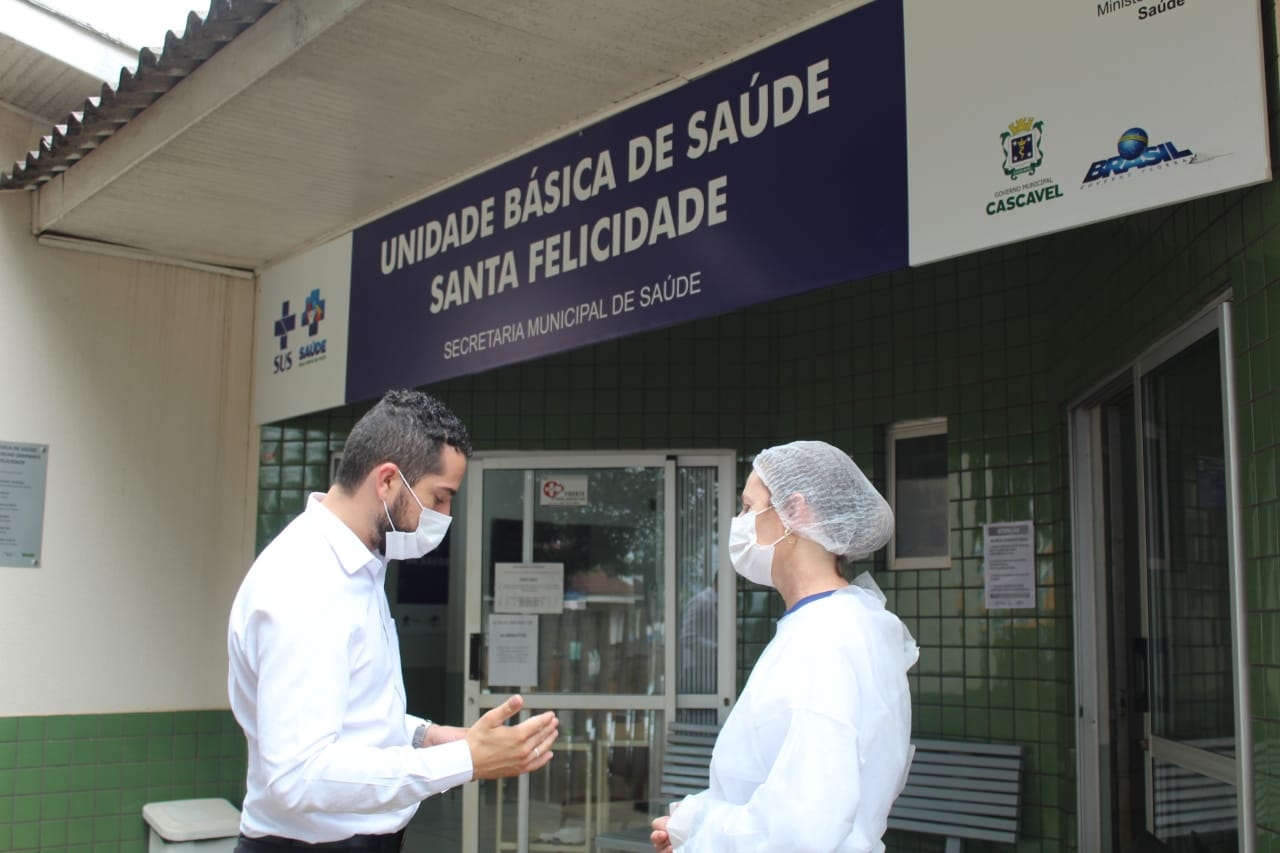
(696, 561)
(920, 496)
(608, 637)
(1188, 572)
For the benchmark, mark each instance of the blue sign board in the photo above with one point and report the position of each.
(779, 173)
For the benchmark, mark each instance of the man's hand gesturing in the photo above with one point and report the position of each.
(499, 751)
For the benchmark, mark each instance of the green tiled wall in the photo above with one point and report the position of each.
(967, 340)
(78, 783)
(1001, 343)
(980, 340)
(294, 460)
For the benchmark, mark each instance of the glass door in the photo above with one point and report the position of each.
(591, 589)
(1164, 759)
(1191, 766)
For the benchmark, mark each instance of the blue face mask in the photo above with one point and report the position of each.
(410, 545)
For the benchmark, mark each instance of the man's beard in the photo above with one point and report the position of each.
(383, 524)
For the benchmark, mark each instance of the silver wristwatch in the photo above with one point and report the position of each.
(420, 735)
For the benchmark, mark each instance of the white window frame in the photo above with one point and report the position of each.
(894, 433)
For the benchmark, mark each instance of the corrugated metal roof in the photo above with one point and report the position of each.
(115, 107)
(328, 113)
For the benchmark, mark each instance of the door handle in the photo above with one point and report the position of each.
(475, 658)
(1141, 681)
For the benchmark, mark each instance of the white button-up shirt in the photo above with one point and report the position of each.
(315, 682)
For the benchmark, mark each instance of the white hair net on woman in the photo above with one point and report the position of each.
(841, 510)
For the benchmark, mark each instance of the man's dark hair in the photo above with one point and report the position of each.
(408, 428)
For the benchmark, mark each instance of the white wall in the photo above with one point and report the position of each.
(138, 377)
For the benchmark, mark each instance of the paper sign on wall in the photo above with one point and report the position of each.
(513, 643)
(1010, 575)
(23, 470)
(528, 588)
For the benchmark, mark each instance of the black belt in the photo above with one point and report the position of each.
(391, 843)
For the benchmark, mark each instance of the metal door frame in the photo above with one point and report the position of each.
(476, 702)
(1092, 652)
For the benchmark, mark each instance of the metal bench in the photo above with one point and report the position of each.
(686, 763)
(961, 790)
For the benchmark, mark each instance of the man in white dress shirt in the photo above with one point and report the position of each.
(335, 761)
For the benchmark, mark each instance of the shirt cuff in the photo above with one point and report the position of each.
(684, 820)
(447, 765)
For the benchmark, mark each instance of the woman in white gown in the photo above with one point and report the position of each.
(817, 747)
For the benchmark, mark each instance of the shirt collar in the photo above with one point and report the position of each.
(808, 599)
(353, 555)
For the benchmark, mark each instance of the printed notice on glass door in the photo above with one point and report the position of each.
(528, 587)
(1010, 575)
(513, 643)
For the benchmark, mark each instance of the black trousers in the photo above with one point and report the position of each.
(272, 844)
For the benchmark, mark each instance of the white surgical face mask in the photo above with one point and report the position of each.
(749, 558)
(412, 544)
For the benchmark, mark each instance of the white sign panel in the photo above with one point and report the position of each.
(1037, 116)
(300, 361)
(563, 490)
(513, 644)
(528, 588)
(23, 471)
(972, 124)
(1010, 574)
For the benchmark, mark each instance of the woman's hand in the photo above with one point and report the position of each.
(661, 841)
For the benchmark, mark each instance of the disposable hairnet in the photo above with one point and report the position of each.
(841, 510)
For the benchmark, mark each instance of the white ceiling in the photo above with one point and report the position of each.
(327, 113)
(38, 85)
(49, 64)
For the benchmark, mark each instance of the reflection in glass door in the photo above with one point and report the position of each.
(1191, 770)
(577, 568)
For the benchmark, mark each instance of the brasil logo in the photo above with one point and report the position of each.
(1135, 151)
